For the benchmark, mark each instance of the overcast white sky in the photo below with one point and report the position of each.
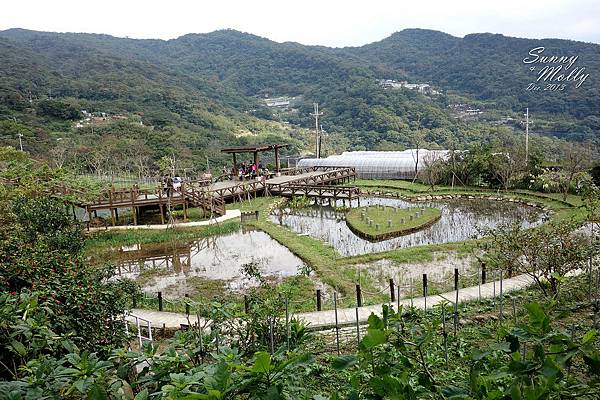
(331, 23)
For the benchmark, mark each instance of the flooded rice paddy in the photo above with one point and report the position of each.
(461, 220)
(169, 267)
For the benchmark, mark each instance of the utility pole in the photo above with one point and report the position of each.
(20, 141)
(316, 114)
(526, 136)
(320, 139)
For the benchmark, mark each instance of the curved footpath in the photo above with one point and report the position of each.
(317, 320)
(229, 214)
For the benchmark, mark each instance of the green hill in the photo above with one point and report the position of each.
(200, 92)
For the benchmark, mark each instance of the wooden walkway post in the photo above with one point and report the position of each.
(357, 329)
(183, 194)
(133, 208)
(483, 273)
(160, 206)
(501, 296)
(112, 210)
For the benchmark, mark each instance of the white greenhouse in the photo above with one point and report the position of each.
(379, 164)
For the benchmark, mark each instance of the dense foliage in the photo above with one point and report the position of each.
(402, 355)
(41, 251)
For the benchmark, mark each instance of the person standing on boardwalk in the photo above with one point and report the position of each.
(165, 185)
(169, 186)
(177, 183)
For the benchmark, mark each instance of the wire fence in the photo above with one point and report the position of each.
(342, 334)
(407, 291)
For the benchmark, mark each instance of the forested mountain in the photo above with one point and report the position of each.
(490, 67)
(199, 92)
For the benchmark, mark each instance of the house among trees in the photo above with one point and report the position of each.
(422, 88)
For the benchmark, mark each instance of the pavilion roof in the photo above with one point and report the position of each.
(254, 148)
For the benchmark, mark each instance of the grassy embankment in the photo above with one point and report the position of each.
(384, 222)
(338, 271)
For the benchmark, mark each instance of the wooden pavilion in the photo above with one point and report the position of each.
(255, 149)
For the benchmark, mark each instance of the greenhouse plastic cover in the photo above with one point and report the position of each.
(379, 164)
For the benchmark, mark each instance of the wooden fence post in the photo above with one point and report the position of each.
(483, 273)
(318, 299)
(187, 305)
(425, 290)
(337, 327)
(456, 301)
(287, 324)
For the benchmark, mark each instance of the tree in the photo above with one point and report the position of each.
(58, 109)
(434, 169)
(61, 152)
(141, 156)
(505, 167)
(417, 143)
(547, 254)
(576, 159)
(166, 165)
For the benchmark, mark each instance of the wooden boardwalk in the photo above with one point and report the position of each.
(311, 177)
(314, 182)
(328, 192)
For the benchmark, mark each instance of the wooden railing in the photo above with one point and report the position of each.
(240, 188)
(205, 200)
(333, 192)
(328, 175)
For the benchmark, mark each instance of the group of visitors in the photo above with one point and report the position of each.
(171, 185)
(248, 171)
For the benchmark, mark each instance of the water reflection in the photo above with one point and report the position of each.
(460, 221)
(214, 258)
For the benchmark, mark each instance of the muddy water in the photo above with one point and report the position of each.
(168, 267)
(461, 220)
